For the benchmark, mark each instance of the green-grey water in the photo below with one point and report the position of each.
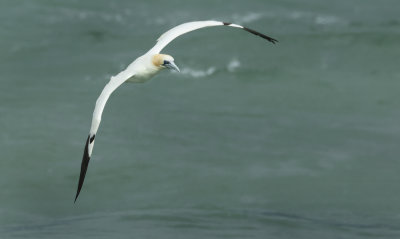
(251, 140)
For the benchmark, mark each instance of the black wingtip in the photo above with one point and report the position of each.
(92, 138)
(270, 39)
(84, 165)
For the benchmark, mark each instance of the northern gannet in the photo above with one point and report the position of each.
(142, 70)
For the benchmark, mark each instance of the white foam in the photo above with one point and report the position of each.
(315, 18)
(198, 73)
(233, 64)
(247, 18)
(298, 15)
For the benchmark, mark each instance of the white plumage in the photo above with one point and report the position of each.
(142, 70)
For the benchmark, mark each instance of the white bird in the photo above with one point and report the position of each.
(142, 70)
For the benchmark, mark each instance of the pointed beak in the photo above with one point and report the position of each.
(171, 65)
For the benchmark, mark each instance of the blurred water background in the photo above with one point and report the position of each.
(251, 140)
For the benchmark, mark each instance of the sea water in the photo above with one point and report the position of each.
(251, 140)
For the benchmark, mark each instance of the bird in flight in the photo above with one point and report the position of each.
(142, 70)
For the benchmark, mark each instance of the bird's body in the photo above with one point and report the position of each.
(141, 70)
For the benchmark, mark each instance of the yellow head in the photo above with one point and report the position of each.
(164, 62)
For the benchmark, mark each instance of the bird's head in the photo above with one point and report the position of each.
(165, 62)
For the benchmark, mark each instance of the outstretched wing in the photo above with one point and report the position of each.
(173, 33)
(98, 110)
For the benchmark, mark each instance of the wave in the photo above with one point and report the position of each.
(198, 73)
(233, 64)
(247, 18)
(231, 67)
(317, 19)
(314, 18)
(328, 20)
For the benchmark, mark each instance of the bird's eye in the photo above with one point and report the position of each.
(166, 62)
